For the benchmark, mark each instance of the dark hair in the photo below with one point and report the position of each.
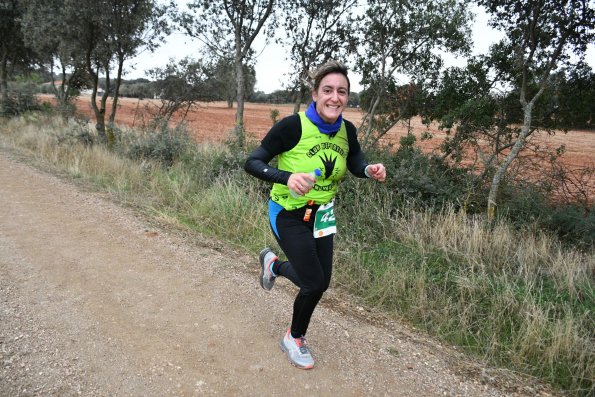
(325, 69)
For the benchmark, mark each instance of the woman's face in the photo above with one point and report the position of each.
(331, 96)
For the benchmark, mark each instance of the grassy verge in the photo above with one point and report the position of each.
(516, 298)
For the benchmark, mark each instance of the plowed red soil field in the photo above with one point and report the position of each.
(214, 121)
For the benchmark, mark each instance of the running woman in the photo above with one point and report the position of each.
(301, 204)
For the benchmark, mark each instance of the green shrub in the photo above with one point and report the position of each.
(416, 177)
(573, 225)
(19, 102)
(274, 115)
(77, 132)
(529, 204)
(521, 205)
(208, 163)
(163, 144)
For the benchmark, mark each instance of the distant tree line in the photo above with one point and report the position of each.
(145, 89)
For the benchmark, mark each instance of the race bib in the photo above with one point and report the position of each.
(325, 223)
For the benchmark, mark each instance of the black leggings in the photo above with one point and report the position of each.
(309, 267)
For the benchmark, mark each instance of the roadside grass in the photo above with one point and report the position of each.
(515, 298)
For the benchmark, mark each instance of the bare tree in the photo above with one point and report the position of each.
(181, 85)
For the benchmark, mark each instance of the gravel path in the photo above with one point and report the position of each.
(97, 301)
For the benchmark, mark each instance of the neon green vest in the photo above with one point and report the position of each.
(314, 150)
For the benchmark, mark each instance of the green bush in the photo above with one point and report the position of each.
(573, 225)
(528, 204)
(137, 90)
(522, 204)
(162, 144)
(19, 102)
(207, 164)
(274, 115)
(426, 181)
(77, 132)
(413, 176)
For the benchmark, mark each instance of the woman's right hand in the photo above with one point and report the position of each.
(301, 182)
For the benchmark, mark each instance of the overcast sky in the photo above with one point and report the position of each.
(271, 66)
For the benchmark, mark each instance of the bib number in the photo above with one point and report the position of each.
(325, 223)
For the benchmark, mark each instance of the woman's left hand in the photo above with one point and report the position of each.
(377, 172)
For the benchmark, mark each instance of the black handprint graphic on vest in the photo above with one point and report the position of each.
(329, 165)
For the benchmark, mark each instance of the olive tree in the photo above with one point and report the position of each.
(110, 32)
(225, 73)
(180, 85)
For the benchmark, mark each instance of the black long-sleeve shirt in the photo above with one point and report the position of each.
(283, 137)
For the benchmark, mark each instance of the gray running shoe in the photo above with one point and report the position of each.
(297, 351)
(267, 279)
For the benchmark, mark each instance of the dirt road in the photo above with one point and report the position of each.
(97, 301)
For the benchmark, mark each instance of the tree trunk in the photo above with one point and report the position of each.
(298, 97)
(298, 101)
(3, 83)
(59, 92)
(501, 171)
(61, 89)
(112, 117)
(239, 127)
(302, 90)
(109, 131)
(370, 120)
(99, 113)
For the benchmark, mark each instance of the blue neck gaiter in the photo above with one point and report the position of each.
(323, 126)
